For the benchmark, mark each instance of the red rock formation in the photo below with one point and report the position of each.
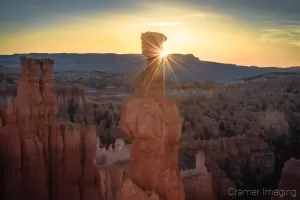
(7, 93)
(241, 152)
(41, 158)
(65, 95)
(131, 191)
(48, 108)
(217, 178)
(20, 139)
(153, 123)
(253, 152)
(227, 186)
(198, 182)
(11, 164)
(289, 187)
(111, 179)
(198, 186)
(113, 169)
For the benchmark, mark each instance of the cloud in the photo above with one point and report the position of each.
(209, 15)
(275, 6)
(281, 23)
(162, 24)
(287, 36)
(281, 31)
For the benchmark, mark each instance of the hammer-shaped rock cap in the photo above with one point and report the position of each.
(154, 36)
(152, 43)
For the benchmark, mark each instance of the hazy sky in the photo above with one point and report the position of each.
(246, 32)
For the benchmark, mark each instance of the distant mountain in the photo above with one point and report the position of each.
(270, 75)
(186, 67)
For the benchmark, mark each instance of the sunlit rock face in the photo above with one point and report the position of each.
(151, 82)
(154, 124)
(113, 164)
(152, 44)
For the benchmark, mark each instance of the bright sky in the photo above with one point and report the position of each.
(245, 32)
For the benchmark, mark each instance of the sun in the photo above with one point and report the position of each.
(163, 53)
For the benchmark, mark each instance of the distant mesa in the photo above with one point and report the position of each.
(186, 68)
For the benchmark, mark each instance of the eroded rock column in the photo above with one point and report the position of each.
(41, 158)
(49, 108)
(23, 155)
(154, 124)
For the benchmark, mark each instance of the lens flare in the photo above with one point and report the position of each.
(164, 63)
(163, 53)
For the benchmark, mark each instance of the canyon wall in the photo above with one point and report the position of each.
(66, 94)
(40, 157)
(114, 163)
(73, 106)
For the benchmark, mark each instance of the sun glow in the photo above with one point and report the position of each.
(161, 63)
(164, 53)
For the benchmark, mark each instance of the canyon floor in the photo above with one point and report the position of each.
(248, 130)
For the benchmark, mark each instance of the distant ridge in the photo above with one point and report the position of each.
(187, 66)
(268, 75)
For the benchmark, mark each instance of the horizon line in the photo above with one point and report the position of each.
(291, 66)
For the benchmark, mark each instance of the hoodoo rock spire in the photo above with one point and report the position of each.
(154, 124)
